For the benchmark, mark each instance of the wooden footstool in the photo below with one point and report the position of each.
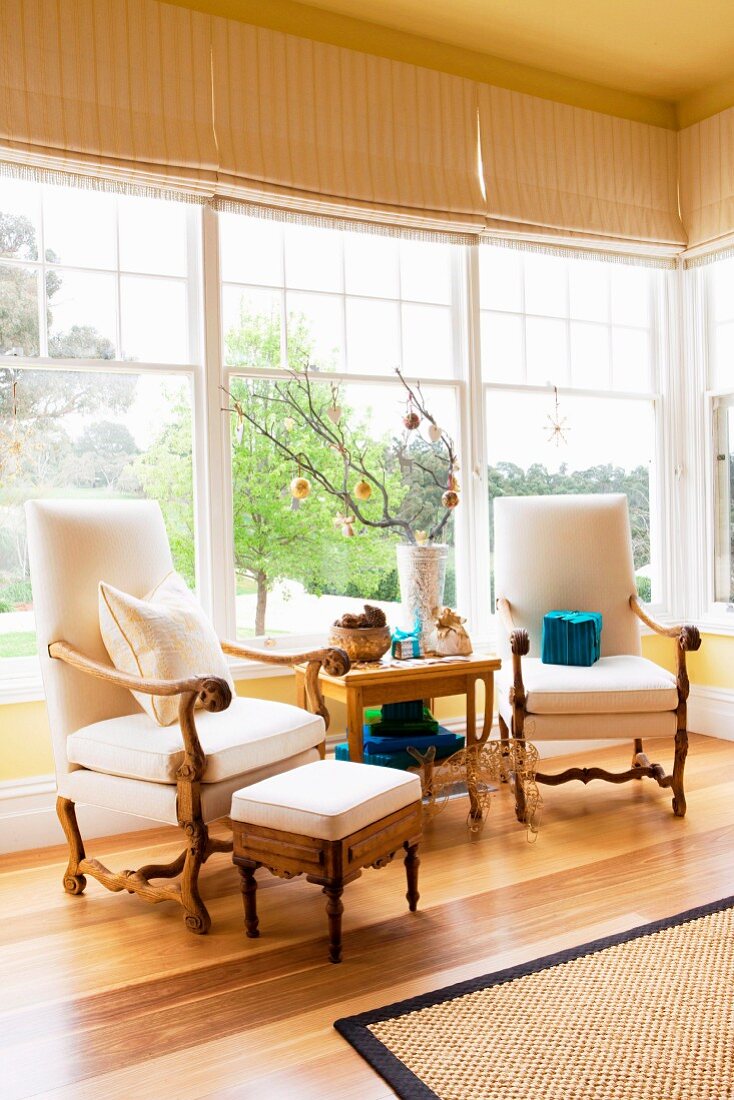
(326, 820)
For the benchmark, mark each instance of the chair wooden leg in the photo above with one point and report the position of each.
(504, 736)
(196, 917)
(412, 863)
(679, 764)
(74, 883)
(334, 910)
(635, 752)
(248, 886)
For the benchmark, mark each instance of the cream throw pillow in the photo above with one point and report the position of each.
(165, 636)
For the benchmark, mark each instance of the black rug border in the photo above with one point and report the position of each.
(405, 1083)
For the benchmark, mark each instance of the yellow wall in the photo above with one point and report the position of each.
(25, 747)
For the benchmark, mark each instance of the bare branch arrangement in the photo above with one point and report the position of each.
(296, 399)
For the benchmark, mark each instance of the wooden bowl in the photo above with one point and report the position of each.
(362, 644)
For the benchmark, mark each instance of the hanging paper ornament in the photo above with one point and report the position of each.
(300, 487)
(334, 412)
(346, 524)
(240, 430)
(289, 423)
(363, 490)
(434, 433)
(411, 420)
(450, 498)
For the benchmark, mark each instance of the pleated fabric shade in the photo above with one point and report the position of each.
(122, 87)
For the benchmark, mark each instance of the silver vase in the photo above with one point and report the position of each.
(422, 575)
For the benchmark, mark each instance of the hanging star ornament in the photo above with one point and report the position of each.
(558, 428)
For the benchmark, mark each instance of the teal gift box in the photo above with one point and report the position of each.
(571, 638)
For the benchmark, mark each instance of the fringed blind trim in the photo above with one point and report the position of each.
(583, 252)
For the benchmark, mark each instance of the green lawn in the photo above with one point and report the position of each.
(20, 644)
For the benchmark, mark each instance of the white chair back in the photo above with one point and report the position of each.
(575, 552)
(72, 546)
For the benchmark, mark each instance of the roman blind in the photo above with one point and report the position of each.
(550, 168)
(120, 86)
(319, 128)
(148, 93)
(707, 178)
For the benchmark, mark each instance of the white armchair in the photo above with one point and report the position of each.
(108, 751)
(575, 552)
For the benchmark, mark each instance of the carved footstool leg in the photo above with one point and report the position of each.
(412, 863)
(334, 910)
(248, 886)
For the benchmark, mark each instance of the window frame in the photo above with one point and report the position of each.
(662, 355)
(458, 383)
(670, 495)
(20, 677)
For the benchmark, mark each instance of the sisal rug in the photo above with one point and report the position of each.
(645, 1015)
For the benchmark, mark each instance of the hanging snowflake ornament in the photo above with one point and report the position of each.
(557, 425)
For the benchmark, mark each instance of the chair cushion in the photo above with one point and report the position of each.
(614, 685)
(329, 799)
(251, 733)
(164, 636)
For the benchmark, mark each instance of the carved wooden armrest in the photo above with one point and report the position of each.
(334, 662)
(213, 693)
(688, 638)
(520, 647)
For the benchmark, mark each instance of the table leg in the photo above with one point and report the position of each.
(471, 743)
(471, 710)
(355, 721)
(301, 690)
(488, 679)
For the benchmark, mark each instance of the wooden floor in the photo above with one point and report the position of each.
(105, 996)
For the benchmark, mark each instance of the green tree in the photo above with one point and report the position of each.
(108, 447)
(165, 473)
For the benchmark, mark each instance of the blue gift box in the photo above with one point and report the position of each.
(571, 638)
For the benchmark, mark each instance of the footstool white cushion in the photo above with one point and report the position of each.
(328, 799)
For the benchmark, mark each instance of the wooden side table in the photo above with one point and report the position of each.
(401, 681)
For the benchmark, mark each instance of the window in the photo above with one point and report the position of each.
(569, 362)
(346, 305)
(111, 386)
(718, 283)
(106, 280)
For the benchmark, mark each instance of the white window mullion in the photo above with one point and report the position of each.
(477, 568)
(213, 457)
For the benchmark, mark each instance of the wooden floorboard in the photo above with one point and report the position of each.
(107, 996)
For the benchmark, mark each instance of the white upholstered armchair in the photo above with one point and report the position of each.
(108, 751)
(575, 552)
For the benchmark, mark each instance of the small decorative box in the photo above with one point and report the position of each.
(405, 648)
(407, 644)
(571, 638)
